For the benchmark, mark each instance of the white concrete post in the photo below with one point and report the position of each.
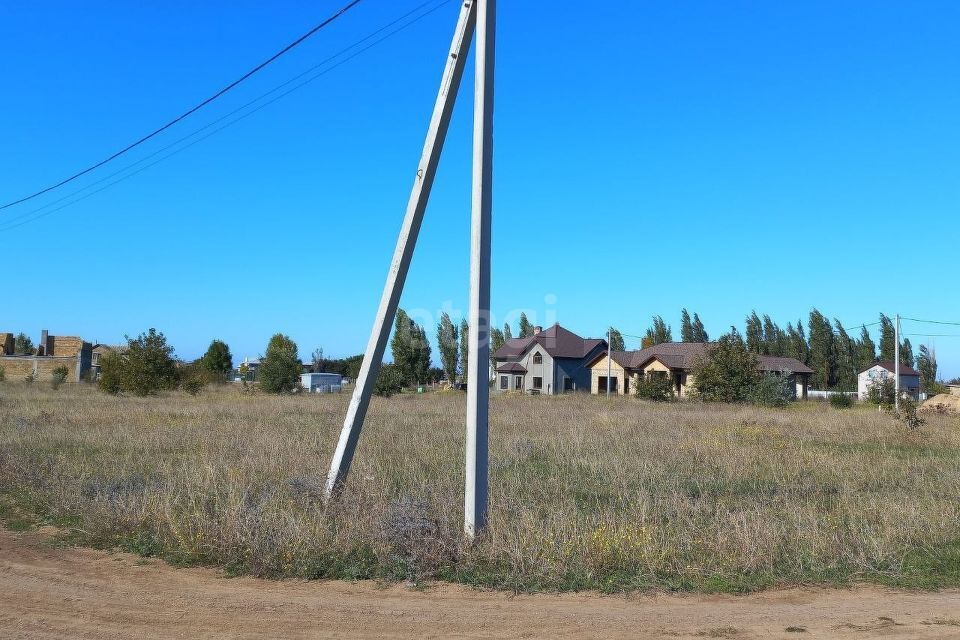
(478, 387)
(896, 362)
(609, 354)
(396, 276)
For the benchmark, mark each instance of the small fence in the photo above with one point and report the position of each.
(814, 394)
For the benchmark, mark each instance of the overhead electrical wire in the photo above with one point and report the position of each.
(954, 324)
(13, 223)
(191, 110)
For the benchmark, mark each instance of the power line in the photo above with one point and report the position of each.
(193, 109)
(12, 222)
(954, 324)
(933, 335)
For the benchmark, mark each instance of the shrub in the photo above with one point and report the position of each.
(193, 385)
(280, 368)
(907, 413)
(654, 387)
(772, 390)
(389, 381)
(728, 372)
(148, 364)
(59, 376)
(111, 373)
(841, 401)
(30, 378)
(882, 393)
(3, 374)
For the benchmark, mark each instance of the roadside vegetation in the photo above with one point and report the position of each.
(586, 492)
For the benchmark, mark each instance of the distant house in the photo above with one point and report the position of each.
(50, 353)
(909, 378)
(321, 382)
(247, 371)
(99, 351)
(677, 360)
(551, 361)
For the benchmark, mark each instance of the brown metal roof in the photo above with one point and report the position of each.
(556, 341)
(890, 366)
(778, 363)
(684, 355)
(511, 367)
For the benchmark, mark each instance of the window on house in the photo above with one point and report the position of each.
(504, 383)
(537, 358)
(518, 382)
(537, 383)
(567, 384)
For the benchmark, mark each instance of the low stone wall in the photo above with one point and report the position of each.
(19, 367)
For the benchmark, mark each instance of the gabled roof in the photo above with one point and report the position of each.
(891, 367)
(511, 367)
(684, 355)
(556, 341)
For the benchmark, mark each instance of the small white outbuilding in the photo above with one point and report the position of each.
(321, 382)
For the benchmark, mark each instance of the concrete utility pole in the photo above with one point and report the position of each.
(896, 363)
(478, 387)
(609, 351)
(397, 275)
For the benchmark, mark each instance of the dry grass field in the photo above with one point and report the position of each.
(586, 493)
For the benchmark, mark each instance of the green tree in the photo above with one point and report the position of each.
(927, 366)
(821, 355)
(496, 341)
(280, 367)
(847, 359)
(797, 343)
(655, 386)
(23, 345)
(447, 337)
(699, 332)
(507, 332)
(866, 351)
(888, 340)
(401, 345)
(659, 333)
(111, 373)
(464, 348)
(420, 355)
(217, 362)
(754, 333)
(774, 338)
(686, 326)
(906, 353)
(526, 329)
(728, 372)
(148, 364)
(616, 340)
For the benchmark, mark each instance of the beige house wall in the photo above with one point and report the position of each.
(599, 370)
(685, 382)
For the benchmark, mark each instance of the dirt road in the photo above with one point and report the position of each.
(47, 592)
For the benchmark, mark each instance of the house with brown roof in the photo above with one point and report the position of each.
(551, 361)
(677, 361)
(879, 371)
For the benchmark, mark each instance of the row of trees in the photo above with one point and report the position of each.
(825, 346)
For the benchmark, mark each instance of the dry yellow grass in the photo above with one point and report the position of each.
(585, 492)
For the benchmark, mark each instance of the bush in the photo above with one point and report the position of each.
(217, 361)
(841, 401)
(389, 381)
(883, 393)
(59, 376)
(3, 374)
(111, 373)
(147, 366)
(654, 387)
(193, 385)
(728, 372)
(907, 413)
(280, 368)
(773, 390)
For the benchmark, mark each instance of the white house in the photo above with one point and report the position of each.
(321, 382)
(909, 378)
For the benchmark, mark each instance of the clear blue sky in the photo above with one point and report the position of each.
(719, 156)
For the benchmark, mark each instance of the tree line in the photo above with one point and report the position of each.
(825, 346)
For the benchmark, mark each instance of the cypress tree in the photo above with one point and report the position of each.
(754, 333)
(686, 327)
(447, 336)
(699, 333)
(887, 339)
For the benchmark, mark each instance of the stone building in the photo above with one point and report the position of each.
(50, 353)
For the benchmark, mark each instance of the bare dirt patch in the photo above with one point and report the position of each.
(49, 592)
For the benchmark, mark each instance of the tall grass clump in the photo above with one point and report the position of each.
(585, 493)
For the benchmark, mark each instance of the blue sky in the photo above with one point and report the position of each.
(719, 156)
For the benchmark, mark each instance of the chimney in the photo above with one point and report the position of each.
(42, 347)
(537, 329)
